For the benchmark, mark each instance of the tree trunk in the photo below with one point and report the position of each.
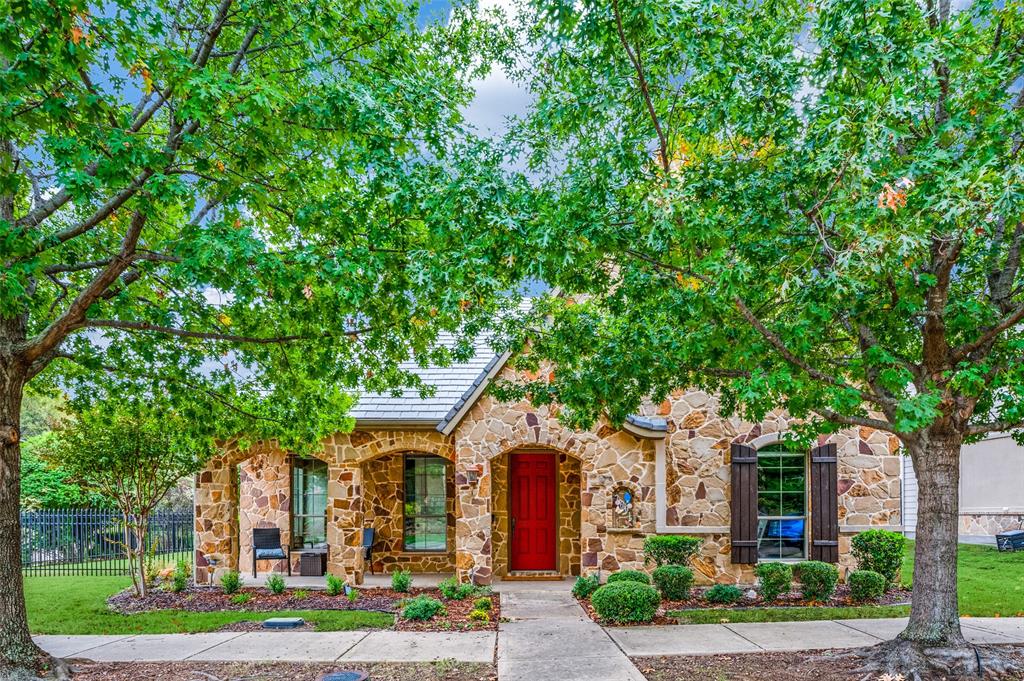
(934, 613)
(932, 645)
(17, 650)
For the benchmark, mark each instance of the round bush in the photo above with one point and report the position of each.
(630, 576)
(673, 581)
(670, 549)
(585, 586)
(866, 585)
(817, 580)
(422, 608)
(776, 579)
(880, 551)
(723, 593)
(626, 601)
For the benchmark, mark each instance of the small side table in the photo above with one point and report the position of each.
(313, 563)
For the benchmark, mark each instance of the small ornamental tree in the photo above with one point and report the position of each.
(809, 206)
(131, 454)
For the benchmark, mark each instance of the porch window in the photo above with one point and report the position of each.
(309, 503)
(426, 520)
(781, 503)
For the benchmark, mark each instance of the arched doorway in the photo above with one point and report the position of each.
(536, 513)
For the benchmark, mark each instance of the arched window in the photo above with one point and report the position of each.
(781, 503)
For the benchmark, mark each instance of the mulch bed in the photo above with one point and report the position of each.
(822, 665)
(445, 670)
(212, 599)
(456, 618)
(793, 599)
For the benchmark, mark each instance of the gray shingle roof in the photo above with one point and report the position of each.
(452, 385)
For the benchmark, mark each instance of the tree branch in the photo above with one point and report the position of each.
(634, 59)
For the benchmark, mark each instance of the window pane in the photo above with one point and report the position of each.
(309, 502)
(781, 504)
(425, 523)
(792, 504)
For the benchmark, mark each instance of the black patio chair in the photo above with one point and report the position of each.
(266, 545)
(368, 537)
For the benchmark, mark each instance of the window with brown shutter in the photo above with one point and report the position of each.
(824, 504)
(743, 506)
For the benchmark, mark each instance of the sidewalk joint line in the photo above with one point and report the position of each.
(118, 639)
(347, 650)
(227, 640)
(843, 624)
(726, 626)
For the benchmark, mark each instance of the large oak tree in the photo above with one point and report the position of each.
(815, 207)
(245, 207)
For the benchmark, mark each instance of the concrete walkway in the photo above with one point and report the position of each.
(711, 639)
(284, 646)
(550, 637)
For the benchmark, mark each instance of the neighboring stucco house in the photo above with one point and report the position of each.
(991, 489)
(465, 484)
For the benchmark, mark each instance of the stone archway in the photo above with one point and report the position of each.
(569, 507)
(383, 487)
(238, 490)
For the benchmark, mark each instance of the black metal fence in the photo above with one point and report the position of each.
(84, 541)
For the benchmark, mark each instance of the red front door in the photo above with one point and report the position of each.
(533, 520)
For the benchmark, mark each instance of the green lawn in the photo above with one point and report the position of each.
(77, 605)
(991, 585)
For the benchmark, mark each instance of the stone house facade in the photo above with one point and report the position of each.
(462, 483)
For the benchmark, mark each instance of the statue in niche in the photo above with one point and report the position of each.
(623, 508)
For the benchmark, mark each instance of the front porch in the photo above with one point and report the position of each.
(519, 516)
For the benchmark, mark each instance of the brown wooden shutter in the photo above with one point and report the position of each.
(744, 504)
(824, 504)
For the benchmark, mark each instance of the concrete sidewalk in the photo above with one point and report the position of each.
(283, 646)
(550, 637)
(711, 639)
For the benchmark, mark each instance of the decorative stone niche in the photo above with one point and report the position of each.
(623, 510)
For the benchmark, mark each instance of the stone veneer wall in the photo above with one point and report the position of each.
(264, 501)
(697, 458)
(989, 524)
(383, 495)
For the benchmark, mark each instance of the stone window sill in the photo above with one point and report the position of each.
(624, 530)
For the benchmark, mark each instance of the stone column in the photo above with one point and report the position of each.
(473, 518)
(345, 524)
(216, 521)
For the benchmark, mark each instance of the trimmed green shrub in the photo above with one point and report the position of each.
(422, 607)
(880, 551)
(723, 593)
(352, 595)
(300, 594)
(670, 549)
(630, 576)
(241, 599)
(480, 616)
(776, 579)
(673, 581)
(454, 591)
(401, 580)
(483, 603)
(179, 579)
(585, 586)
(335, 585)
(866, 585)
(817, 580)
(275, 583)
(231, 581)
(626, 601)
